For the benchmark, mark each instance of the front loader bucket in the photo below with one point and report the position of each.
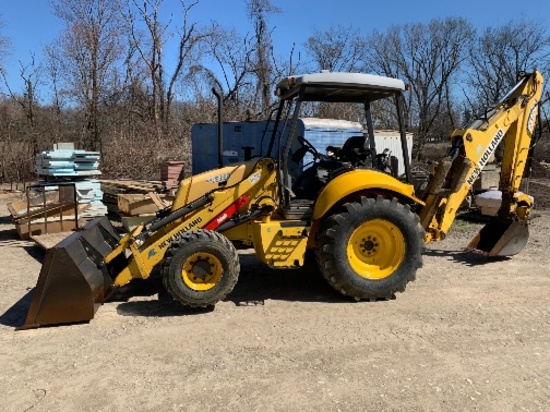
(74, 280)
(498, 238)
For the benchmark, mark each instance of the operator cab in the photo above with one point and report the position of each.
(348, 96)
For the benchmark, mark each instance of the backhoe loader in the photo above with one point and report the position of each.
(366, 226)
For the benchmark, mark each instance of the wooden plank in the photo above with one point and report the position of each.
(156, 200)
(125, 186)
(135, 204)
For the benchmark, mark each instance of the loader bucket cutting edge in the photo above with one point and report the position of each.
(498, 238)
(74, 280)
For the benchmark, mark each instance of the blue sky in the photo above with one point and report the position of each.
(30, 24)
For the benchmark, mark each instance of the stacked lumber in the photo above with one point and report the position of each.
(134, 201)
(171, 172)
(127, 186)
(136, 208)
(112, 188)
(140, 204)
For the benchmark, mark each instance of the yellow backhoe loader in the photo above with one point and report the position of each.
(366, 226)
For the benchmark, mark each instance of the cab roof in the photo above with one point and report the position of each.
(339, 87)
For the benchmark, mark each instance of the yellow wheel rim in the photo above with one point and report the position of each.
(201, 271)
(375, 249)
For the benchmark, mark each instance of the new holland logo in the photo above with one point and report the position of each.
(186, 228)
(532, 118)
(485, 157)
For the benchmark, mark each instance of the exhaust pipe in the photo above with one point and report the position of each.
(220, 127)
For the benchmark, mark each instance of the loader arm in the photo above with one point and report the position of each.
(148, 243)
(512, 121)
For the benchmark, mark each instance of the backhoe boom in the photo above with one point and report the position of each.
(512, 121)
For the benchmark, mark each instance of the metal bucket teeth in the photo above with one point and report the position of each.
(501, 238)
(74, 280)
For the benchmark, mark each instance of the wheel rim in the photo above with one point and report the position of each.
(375, 249)
(202, 271)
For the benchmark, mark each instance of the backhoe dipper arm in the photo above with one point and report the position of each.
(511, 120)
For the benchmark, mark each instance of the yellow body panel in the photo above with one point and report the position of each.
(196, 186)
(280, 243)
(357, 181)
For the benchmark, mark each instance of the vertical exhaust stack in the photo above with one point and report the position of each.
(74, 280)
(220, 127)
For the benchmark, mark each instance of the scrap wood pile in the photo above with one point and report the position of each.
(45, 211)
(134, 201)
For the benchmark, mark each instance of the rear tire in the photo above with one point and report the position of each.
(371, 249)
(201, 268)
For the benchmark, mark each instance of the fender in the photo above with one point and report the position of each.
(357, 181)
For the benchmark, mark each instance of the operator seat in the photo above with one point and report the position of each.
(354, 151)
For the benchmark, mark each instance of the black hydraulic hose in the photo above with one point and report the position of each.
(178, 213)
(232, 223)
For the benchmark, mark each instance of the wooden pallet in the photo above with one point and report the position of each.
(115, 187)
(135, 204)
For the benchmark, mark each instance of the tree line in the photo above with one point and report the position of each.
(122, 79)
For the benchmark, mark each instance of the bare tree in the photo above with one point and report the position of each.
(246, 67)
(259, 12)
(429, 57)
(4, 45)
(499, 53)
(233, 73)
(90, 46)
(338, 48)
(27, 101)
(54, 71)
(150, 47)
(4, 49)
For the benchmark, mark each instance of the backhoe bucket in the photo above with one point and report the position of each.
(74, 280)
(498, 238)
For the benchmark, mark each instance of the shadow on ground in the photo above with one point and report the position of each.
(467, 258)
(257, 283)
(15, 316)
(10, 238)
(163, 306)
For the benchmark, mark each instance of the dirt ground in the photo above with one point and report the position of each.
(469, 334)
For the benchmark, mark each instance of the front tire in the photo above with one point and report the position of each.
(371, 249)
(201, 268)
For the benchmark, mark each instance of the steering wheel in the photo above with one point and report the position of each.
(309, 147)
